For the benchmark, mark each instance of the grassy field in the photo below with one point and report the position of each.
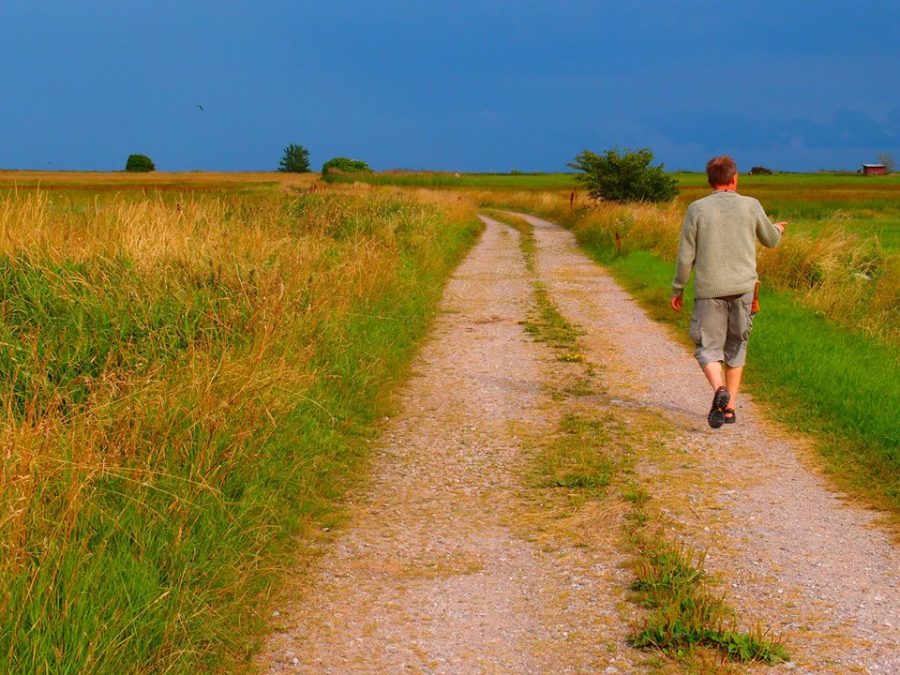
(192, 364)
(191, 367)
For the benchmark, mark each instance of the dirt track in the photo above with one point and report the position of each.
(438, 571)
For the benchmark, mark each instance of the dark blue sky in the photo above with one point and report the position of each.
(467, 86)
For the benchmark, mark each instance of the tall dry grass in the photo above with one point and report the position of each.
(178, 381)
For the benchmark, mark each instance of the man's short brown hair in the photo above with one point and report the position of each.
(720, 170)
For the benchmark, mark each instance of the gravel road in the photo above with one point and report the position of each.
(435, 573)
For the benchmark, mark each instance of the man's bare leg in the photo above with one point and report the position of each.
(733, 382)
(714, 375)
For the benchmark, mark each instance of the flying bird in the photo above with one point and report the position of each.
(200, 106)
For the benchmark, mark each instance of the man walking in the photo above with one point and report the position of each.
(718, 241)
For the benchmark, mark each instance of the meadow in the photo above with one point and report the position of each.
(192, 366)
(191, 369)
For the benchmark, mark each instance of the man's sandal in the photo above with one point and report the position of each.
(730, 416)
(716, 417)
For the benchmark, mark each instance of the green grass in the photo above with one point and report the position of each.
(683, 613)
(813, 375)
(61, 325)
(432, 179)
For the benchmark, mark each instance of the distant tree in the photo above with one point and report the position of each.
(760, 171)
(888, 160)
(624, 176)
(295, 159)
(345, 165)
(139, 163)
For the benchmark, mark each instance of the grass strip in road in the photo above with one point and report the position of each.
(684, 613)
(591, 458)
(548, 325)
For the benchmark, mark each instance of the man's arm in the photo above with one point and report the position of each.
(768, 233)
(687, 248)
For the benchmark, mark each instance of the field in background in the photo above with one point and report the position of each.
(813, 203)
(92, 182)
(440, 179)
(191, 367)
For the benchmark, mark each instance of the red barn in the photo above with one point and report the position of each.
(874, 169)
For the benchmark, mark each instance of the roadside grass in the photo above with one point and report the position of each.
(188, 387)
(591, 459)
(88, 184)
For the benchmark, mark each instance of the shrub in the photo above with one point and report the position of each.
(761, 171)
(295, 159)
(345, 165)
(139, 163)
(624, 176)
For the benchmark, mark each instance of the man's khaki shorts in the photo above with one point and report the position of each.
(720, 328)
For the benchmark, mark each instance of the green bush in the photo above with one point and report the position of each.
(139, 163)
(624, 176)
(345, 165)
(295, 159)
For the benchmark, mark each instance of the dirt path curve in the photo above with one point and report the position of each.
(432, 574)
(791, 553)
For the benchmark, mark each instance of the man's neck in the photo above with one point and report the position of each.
(730, 186)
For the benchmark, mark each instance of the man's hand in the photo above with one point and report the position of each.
(677, 302)
(781, 226)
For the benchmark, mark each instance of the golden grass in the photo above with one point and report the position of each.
(188, 331)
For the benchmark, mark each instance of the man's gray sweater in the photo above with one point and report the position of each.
(718, 239)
